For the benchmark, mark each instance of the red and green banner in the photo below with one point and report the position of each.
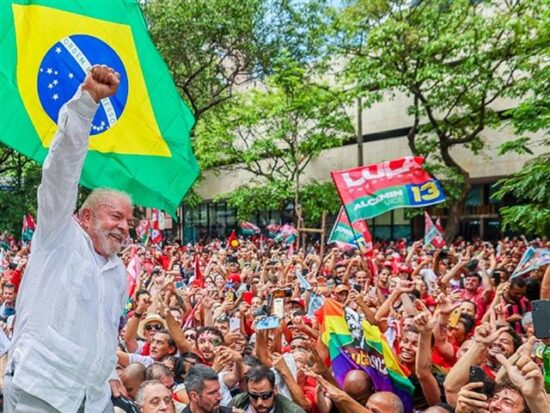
(369, 191)
(344, 234)
(249, 229)
(433, 233)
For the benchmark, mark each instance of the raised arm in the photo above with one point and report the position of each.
(61, 170)
(424, 323)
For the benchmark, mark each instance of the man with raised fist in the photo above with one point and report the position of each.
(63, 352)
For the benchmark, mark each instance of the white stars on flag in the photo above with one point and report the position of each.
(49, 70)
(58, 49)
(71, 75)
(55, 96)
(50, 86)
(41, 70)
(55, 82)
(56, 72)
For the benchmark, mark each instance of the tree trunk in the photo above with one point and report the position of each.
(456, 211)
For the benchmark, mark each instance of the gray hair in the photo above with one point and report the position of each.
(197, 375)
(103, 196)
(157, 371)
(140, 394)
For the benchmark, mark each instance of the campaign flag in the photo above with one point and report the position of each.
(155, 218)
(287, 234)
(155, 235)
(372, 190)
(248, 228)
(344, 234)
(432, 235)
(142, 230)
(233, 241)
(139, 138)
(532, 259)
(273, 230)
(28, 228)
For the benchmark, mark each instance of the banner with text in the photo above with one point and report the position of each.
(347, 235)
(369, 191)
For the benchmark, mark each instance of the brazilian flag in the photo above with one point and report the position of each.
(139, 138)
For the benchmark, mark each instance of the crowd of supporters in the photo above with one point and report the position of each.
(211, 327)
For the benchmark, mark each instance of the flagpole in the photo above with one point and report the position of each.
(359, 157)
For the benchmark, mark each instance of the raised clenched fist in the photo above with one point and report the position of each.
(101, 82)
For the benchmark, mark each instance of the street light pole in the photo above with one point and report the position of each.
(359, 132)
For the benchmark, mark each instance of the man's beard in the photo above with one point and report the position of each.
(108, 244)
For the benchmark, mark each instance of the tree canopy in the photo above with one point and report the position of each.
(452, 60)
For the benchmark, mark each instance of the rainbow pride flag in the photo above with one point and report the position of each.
(372, 355)
(336, 336)
(385, 370)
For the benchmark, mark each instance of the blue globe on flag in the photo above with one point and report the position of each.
(64, 68)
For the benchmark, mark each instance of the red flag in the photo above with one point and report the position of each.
(156, 236)
(432, 234)
(371, 190)
(233, 241)
(29, 226)
(198, 281)
(155, 219)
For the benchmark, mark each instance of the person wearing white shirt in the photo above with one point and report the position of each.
(63, 351)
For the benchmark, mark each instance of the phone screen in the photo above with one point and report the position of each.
(234, 324)
(278, 307)
(268, 323)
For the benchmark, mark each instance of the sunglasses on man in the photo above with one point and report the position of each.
(264, 396)
(153, 326)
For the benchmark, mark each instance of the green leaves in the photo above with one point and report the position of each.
(274, 132)
(454, 60)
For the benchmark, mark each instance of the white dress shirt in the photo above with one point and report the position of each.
(69, 303)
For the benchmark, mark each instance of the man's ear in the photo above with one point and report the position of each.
(84, 216)
(193, 395)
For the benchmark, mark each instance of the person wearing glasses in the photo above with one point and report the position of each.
(261, 395)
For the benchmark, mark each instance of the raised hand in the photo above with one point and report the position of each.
(524, 374)
(143, 304)
(470, 401)
(424, 322)
(486, 334)
(101, 82)
(446, 304)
